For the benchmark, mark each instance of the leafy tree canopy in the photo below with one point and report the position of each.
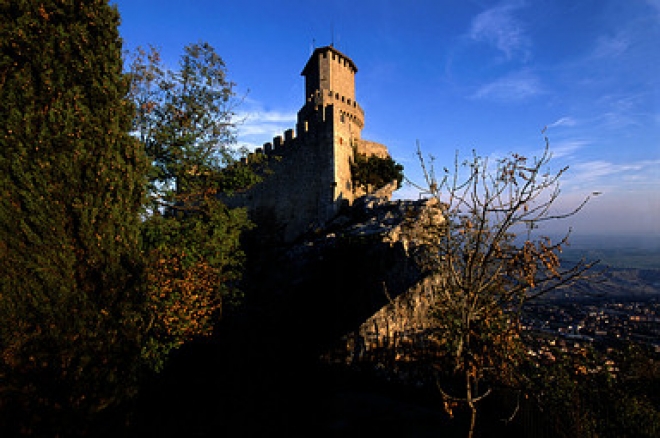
(185, 120)
(373, 172)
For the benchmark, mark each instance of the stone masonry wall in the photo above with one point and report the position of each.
(297, 191)
(310, 174)
(369, 148)
(402, 323)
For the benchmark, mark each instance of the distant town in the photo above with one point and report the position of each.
(604, 322)
(618, 304)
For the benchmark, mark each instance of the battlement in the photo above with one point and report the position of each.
(330, 51)
(309, 176)
(319, 97)
(345, 104)
(329, 69)
(279, 145)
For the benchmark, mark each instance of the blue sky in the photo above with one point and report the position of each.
(456, 75)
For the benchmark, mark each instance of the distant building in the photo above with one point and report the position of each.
(311, 177)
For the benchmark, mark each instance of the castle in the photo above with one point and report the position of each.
(310, 178)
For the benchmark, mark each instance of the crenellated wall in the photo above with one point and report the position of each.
(346, 105)
(309, 176)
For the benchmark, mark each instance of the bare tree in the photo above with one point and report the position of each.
(487, 261)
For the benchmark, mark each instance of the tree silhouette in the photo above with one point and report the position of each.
(486, 262)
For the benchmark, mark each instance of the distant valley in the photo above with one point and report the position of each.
(629, 266)
(638, 252)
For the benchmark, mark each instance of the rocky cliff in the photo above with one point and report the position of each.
(356, 281)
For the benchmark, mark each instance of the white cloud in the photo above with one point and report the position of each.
(618, 120)
(611, 47)
(655, 5)
(273, 117)
(613, 212)
(628, 200)
(566, 148)
(592, 170)
(260, 126)
(513, 87)
(599, 173)
(499, 27)
(562, 121)
(622, 111)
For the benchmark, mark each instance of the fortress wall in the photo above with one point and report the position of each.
(368, 148)
(298, 190)
(309, 176)
(347, 133)
(312, 77)
(329, 97)
(341, 73)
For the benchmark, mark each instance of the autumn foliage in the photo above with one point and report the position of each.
(193, 264)
(191, 241)
(488, 260)
(182, 301)
(100, 276)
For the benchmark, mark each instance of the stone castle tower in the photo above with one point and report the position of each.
(311, 178)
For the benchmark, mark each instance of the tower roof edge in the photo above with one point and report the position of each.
(331, 49)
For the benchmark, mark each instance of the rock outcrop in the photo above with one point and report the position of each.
(356, 281)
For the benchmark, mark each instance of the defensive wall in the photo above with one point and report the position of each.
(308, 178)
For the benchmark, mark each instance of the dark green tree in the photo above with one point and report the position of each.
(185, 120)
(71, 191)
(372, 172)
(187, 123)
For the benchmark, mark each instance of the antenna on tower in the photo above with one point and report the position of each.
(332, 34)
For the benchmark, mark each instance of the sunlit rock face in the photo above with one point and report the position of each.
(338, 280)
